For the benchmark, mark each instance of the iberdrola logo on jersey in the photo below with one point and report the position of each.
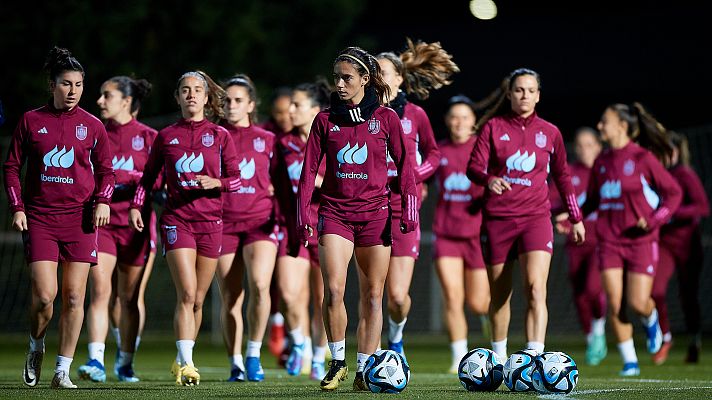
(356, 155)
(58, 159)
(187, 164)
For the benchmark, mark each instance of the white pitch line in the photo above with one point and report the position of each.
(598, 391)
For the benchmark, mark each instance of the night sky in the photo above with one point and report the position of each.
(589, 54)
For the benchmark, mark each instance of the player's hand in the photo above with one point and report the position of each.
(562, 225)
(19, 221)
(498, 185)
(579, 232)
(270, 189)
(642, 224)
(102, 214)
(135, 219)
(207, 182)
(407, 226)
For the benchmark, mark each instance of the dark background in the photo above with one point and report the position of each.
(589, 54)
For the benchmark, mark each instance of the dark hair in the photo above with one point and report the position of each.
(644, 129)
(680, 142)
(318, 92)
(423, 66)
(60, 60)
(243, 80)
(216, 95)
(461, 99)
(282, 91)
(521, 72)
(583, 130)
(138, 89)
(383, 92)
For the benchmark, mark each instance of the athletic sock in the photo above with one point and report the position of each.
(500, 348)
(297, 336)
(253, 349)
(236, 362)
(627, 350)
(536, 346)
(650, 319)
(395, 330)
(63, 364)
(361, 361)
(96, 351)
(319, 354)
(185, 351)
(338, 350)
(459, 349)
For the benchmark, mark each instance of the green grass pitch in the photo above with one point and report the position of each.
(428, 355)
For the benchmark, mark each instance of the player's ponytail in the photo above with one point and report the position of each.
(137, 89)
(216, 95)
(645, 130)
(366, 64)
(423, 66)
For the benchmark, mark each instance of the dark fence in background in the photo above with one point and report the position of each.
(426, 315)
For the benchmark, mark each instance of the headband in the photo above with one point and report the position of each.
(195, 74)
(357, 60)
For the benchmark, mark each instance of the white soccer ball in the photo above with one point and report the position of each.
(518, 370)
(386, 372)
(480, 370)
(554, 372)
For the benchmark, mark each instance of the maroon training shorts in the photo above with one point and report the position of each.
(468, 249)
(500, 236)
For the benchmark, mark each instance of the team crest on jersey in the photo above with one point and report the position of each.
(374, 126)
(259, 145)
(208, 139)
(171, 235)
(575, 180)
(81, 132)
(407, 126)
(540, 140)
(629, 167)
(137, 143)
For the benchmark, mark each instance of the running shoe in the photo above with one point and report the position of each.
(597, 350)
(255, 373)
(338, 372)
(61, 381)
(630, 369)
(236, 375)
(93, 371)
(33, 367)
(317, 371)
(189, 375)
(126, 374)
(294, 362)
(360, 384)
(661, 356)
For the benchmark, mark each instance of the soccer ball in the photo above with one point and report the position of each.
(480, 370)
(386, 372)
(518, 371)
(554, 372)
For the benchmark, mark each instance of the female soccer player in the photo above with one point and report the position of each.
(634, 195)
(279, 121)
(249, 238)
(681, 250)
(199, 162)
(512, 158)
(69, 183)
(457, 253)
(299, 276)
(584, 273)
(354, 214)
(131, 142)
(419, 69)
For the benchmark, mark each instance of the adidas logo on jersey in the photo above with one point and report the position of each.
(504, 138)
(174, 141)
(43, 130)
(93, 253)
(335, 128)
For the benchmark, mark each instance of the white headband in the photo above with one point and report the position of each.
(357, 60)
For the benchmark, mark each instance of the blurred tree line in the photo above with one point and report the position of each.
(276, 42)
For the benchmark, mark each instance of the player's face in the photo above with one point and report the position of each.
(112, 102)
(67, 89)
(349, 83)
(587, 148)
(192, 96)
(302, 112)
(611, 126)
(280, 113)
(392, 78)
(460, 121)
(524, 95)
(238, 105)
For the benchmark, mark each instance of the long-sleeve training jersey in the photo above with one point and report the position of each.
(68, 161)
(184, 150)
(626, 185)
(458, 213)
(253, 202)
(131, 144)
(355, 184)
(422, 151)
(523, 151)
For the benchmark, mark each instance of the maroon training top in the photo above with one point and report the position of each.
(252, 204)
(355, 184)
(422, 151)
(184, 150)
(523, 151)
(68, 161)
(131, 144)
(628, 184)
(678, 233)
(458, 213)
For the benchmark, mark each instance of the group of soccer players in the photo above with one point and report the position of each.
(347, 179)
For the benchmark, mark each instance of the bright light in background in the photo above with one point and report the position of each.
(483, 9)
